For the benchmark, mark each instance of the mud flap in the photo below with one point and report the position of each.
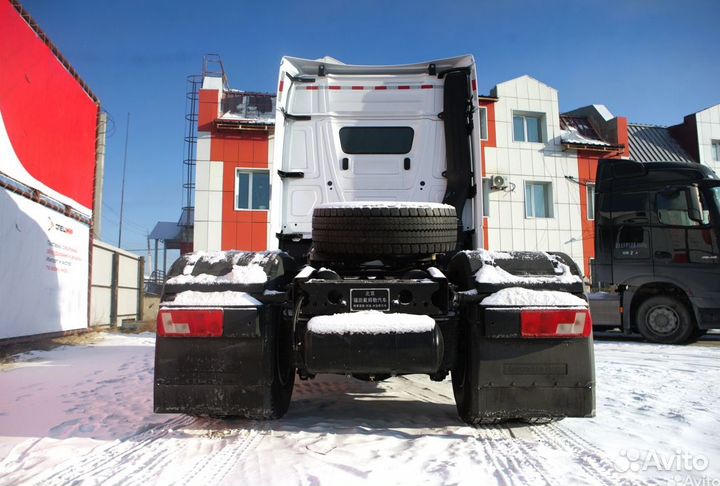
(246, 370)
(502, 373)
(520, 378)
(226, 376)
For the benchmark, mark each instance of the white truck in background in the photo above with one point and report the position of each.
(379, 270)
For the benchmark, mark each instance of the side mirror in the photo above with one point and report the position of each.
(695, 212)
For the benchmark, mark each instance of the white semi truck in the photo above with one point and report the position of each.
(379, 268)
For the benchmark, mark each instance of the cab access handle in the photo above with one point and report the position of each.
(345, 165)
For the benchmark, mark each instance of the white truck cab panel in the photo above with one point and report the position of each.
(364, 133)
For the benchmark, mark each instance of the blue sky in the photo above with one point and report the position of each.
(652, 61)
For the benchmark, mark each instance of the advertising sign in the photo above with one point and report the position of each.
(44, 264)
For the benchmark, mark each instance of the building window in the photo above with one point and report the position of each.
(252, 189)
(590, 201)
(538, 200)
(528, 127)
(483, 123)
(716, 150)
(486, 185)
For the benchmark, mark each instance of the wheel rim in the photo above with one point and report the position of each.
(662, 320)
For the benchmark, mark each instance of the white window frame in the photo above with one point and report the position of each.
(486, 184)
(530, 203)
(483, 123)
(251, 172)
(525, 115)
(715, 150)
(590, 201)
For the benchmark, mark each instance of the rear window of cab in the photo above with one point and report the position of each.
(376, 140)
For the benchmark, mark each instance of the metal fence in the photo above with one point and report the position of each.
(117, 279)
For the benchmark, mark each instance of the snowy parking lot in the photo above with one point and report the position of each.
(83, 415)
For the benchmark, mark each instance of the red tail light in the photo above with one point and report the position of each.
(190, 323)
(555, 323)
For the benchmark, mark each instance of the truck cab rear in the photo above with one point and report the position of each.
(377, 272)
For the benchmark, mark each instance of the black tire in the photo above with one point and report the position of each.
(665, 320)
(283, 380)
(465, 385)
(373, 230)
(698, 333)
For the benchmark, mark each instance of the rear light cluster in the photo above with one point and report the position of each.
(561, 323)
(190, 323)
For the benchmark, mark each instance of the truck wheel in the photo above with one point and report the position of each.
(376, 229)
(283, 374)
(666, 320)
(465, 385)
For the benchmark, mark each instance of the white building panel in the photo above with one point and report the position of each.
(202, 212)
(708, 130)
(509, 226)
(216, 176)
(202, 175)
(203, 146)
(214, 235)
(200, 235)
(215, 204)
(45, 269)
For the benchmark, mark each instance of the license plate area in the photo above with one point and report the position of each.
(370, 299)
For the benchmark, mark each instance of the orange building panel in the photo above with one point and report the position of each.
(208, 109)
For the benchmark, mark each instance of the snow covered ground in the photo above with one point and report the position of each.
(83, 415)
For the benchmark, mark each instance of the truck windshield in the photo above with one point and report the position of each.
(715, 192)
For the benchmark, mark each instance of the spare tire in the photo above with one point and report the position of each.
(375, 229)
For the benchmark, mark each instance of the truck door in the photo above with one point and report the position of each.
(685, 250)
(630, 235)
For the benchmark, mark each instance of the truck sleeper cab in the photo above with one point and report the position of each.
(377, 270)
(656, 264)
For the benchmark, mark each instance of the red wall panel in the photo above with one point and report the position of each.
(241, 230)
(209, 107)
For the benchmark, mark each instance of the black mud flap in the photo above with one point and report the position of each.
(501, 373)
(246, 371)
(232, 375)
(522, 378)
(212, 376)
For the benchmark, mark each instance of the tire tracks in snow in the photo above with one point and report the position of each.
(518, 460)
(514, 462)
(591, 460)
(103, 463)
(213, 468)
(139, 459)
